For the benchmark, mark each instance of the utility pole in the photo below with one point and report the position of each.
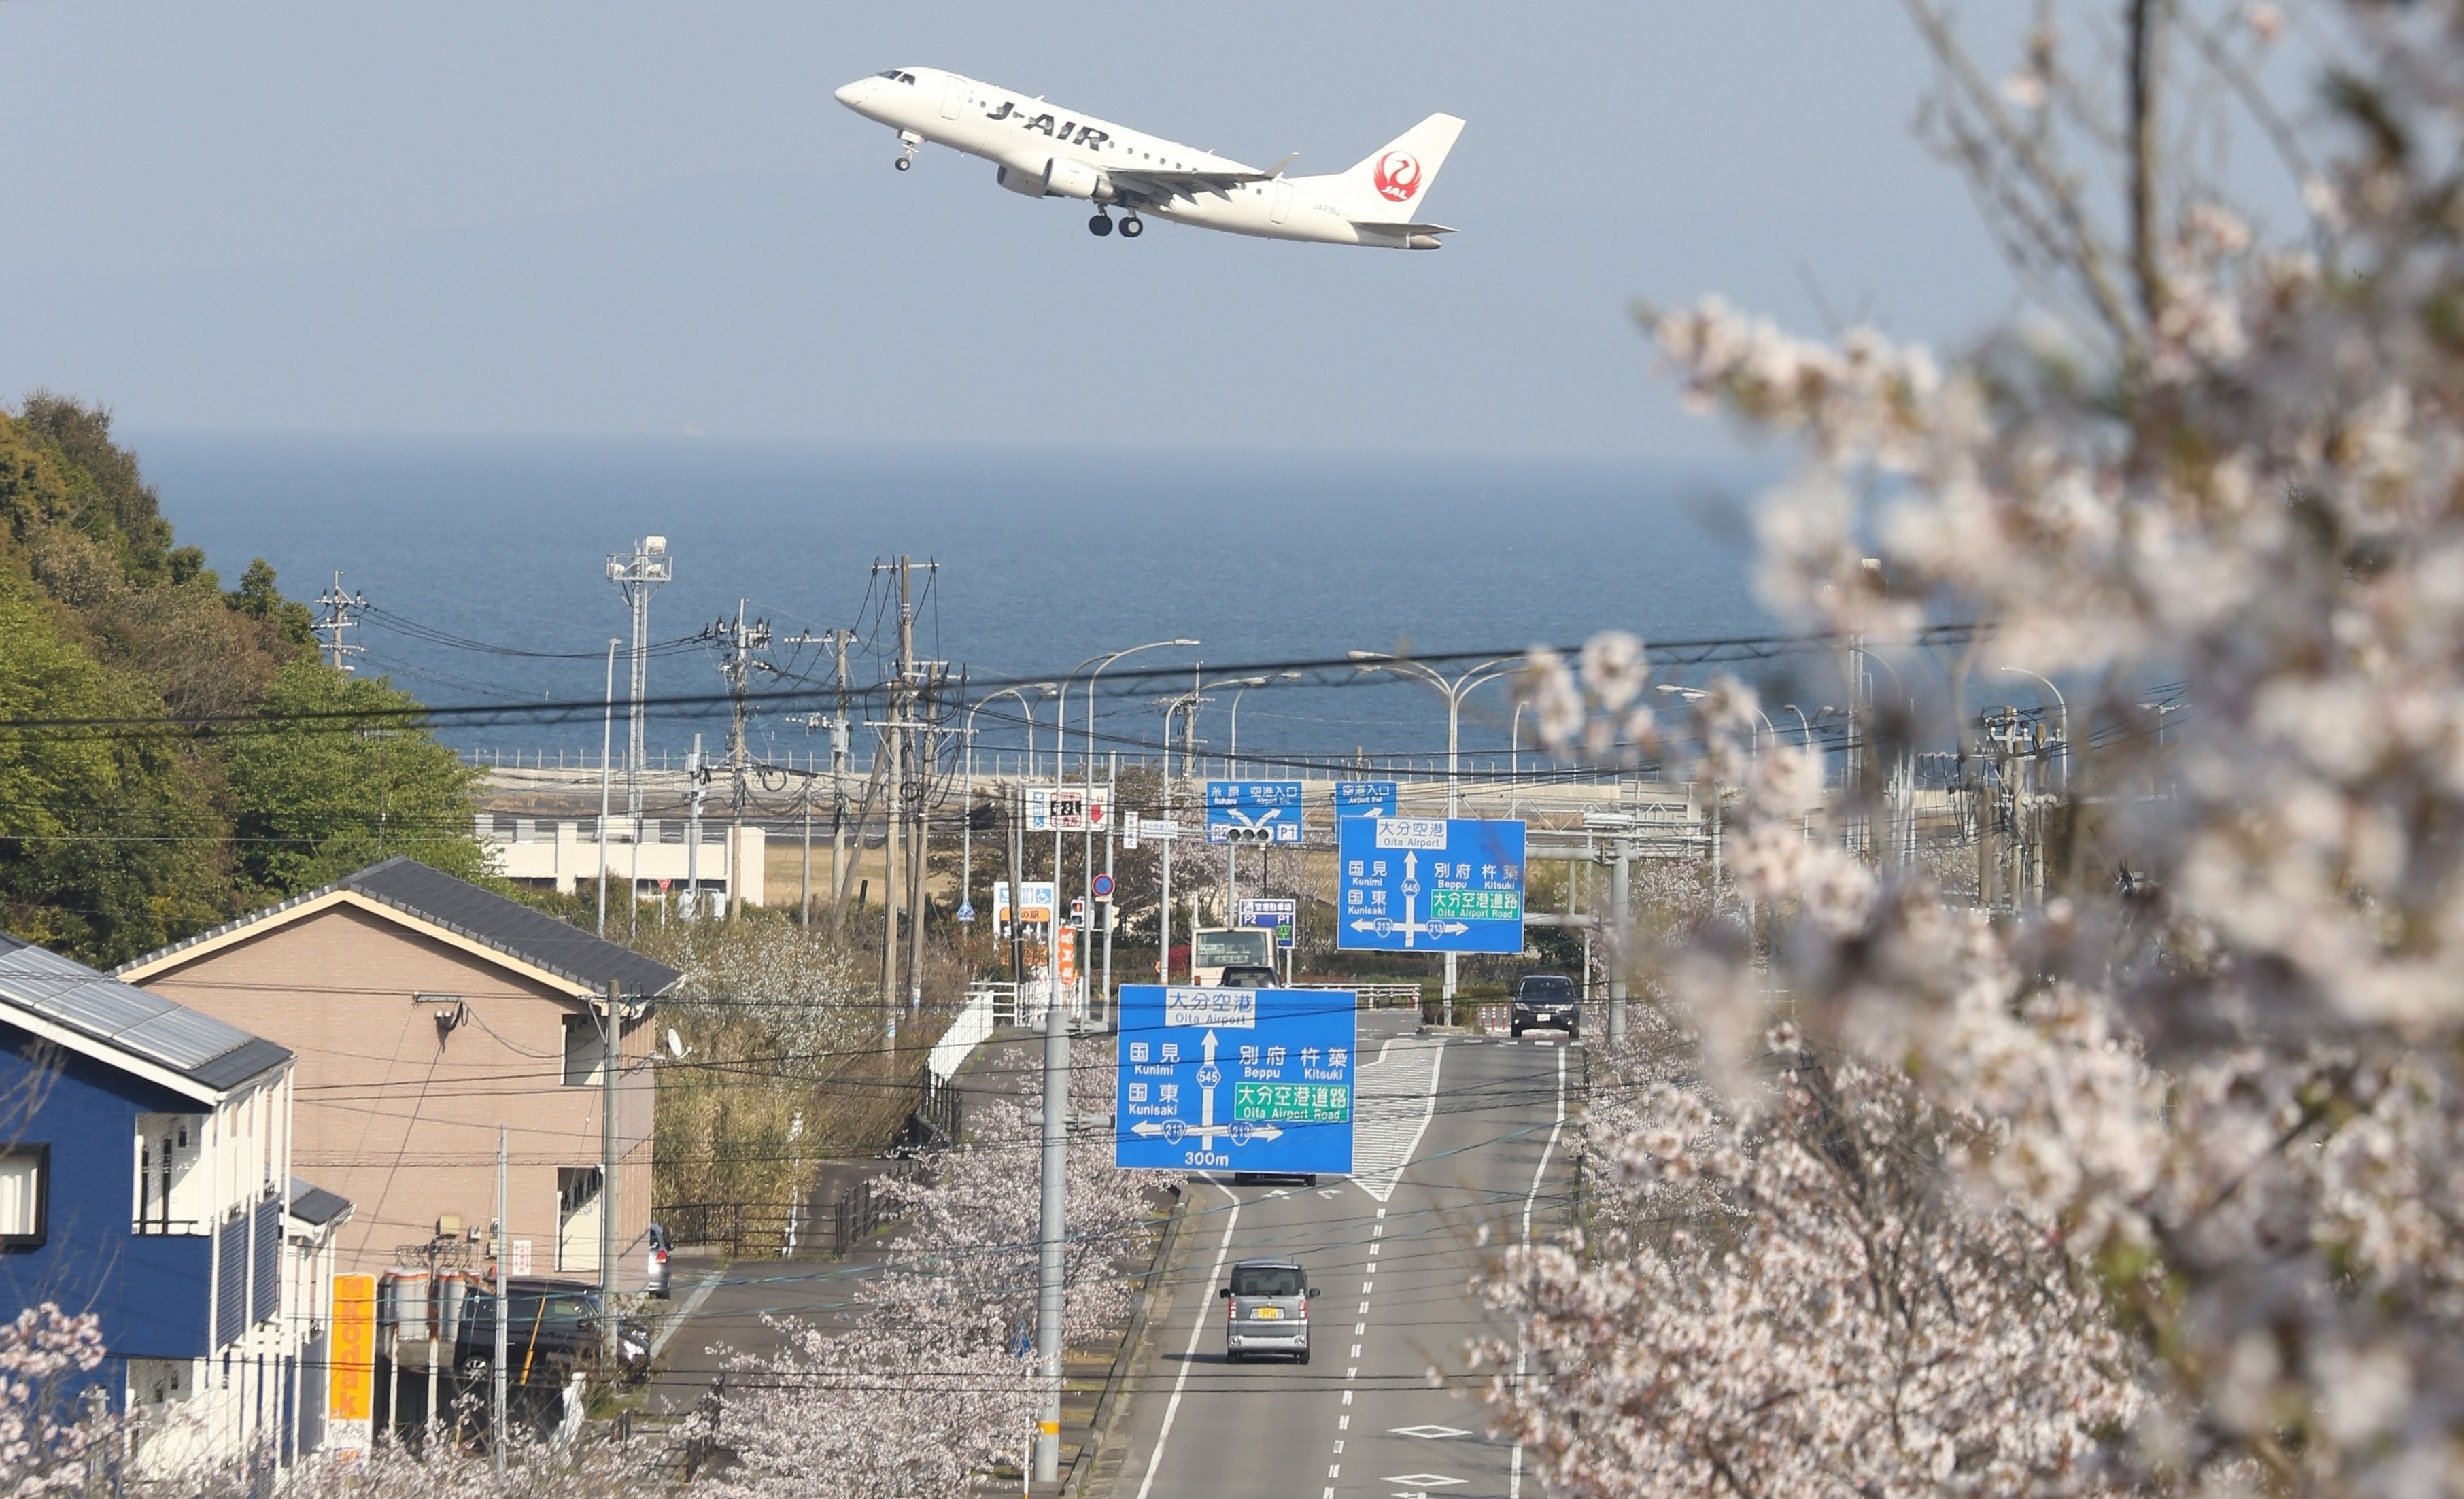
(1014, 815)
(736, 666)
(1108, 905)
(925, 760)
(840, 741)
(612, 1040)
(336, 618)
(696, 775)
(606, 742)
(637, 575)
(1621, 922)
(893, 808)
(497, 1373)
(1054, 1219)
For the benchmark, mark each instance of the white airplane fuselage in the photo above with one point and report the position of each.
(1041, 150)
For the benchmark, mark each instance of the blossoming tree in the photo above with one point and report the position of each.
(2216, 1065)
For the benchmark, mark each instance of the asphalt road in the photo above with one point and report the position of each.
(1461, 1128)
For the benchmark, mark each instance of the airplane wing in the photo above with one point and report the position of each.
(1142, 184)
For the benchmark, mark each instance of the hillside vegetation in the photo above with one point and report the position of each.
(172, 752)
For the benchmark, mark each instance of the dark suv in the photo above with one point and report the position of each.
(552, 1330)
(1546, 999)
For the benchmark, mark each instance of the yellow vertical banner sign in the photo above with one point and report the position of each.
(352, 1389)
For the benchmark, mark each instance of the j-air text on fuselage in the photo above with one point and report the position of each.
(1045, 152)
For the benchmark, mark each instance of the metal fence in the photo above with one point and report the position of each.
(787, 1230)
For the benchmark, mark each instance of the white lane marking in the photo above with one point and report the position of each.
(1338, 1450)
(1356, 1350)
(1393, 1102)
(1514, 1471)
(1189, 1355)
(1345, 1424)
(1358, 1328)
(684, 1314)
(1429, 1432)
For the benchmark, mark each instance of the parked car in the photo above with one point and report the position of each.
(1266, 1310)
(656, 1282)
(1546, 999)
(552, 1329)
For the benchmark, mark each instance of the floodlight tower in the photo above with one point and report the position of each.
(637, 575)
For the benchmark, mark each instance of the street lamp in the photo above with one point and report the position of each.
(2066, 721)
(1695, 695)
(967, 824)
(1087, 836)
(1453, 692)
(1186, 701)
(1234, 750)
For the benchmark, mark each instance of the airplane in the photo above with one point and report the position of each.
(1046, 152)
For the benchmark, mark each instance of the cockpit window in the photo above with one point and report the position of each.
(896, 77)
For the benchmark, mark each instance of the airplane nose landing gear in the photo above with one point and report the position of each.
(1133, 226)
(904, 162)
(908, 142)
(1100, 225)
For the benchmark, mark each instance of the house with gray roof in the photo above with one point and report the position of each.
(146, 1158)
(427, 1014)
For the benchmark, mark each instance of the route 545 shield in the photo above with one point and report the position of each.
(1429, 885)
(1234, 1079)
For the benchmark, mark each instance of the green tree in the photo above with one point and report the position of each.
(108, 845)
(338, 773)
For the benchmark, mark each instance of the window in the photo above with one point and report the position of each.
(159, 1382)
(583, 1050)
(170, 1188)
(25, 1195)
(1266, 1280)
(577, 1205)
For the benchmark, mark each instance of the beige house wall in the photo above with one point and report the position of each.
(399, 1114)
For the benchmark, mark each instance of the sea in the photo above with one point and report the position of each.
(486, 563)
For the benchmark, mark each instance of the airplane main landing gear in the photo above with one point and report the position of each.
(1101, 224)
(1133, 226)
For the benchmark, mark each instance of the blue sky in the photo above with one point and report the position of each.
(645, 220)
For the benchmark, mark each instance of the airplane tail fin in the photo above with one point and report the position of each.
(1389, 185)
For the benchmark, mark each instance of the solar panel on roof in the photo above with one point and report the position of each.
(109, 1010)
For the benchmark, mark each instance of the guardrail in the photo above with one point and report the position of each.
(978, 1016)
(1375, 996)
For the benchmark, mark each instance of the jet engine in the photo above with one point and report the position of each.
(1057, 176)
(1072, 178)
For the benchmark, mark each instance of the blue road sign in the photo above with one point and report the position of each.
(1234, 1079)
(967, 912)
(1282, 914)
(1364, 799)
(1430, 885)
(1274, 805)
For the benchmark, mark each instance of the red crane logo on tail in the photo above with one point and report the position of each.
(1398, 176)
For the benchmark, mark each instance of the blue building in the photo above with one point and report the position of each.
(145, 1178)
